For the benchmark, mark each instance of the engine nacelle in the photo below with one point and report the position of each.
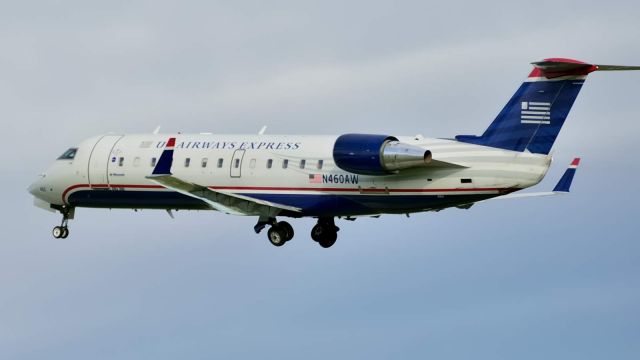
(367, 154)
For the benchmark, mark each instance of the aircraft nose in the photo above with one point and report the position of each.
(34, 188)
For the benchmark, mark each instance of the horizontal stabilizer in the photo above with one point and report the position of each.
(616, 67)
(557, 67)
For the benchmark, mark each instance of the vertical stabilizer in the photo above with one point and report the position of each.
(534, 116)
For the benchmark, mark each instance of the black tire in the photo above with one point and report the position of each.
(316, 232)
(328, 239)
(57, 232)
(288, 229)
(277, 235)
(65, 233)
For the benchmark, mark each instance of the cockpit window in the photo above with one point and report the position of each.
(69, 154)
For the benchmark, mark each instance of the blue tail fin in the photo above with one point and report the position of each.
(534, 116)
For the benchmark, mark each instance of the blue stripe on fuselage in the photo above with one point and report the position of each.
(312, 204)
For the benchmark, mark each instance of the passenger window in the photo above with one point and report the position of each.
(204, 162)
(320, 163)
(303, 163)
(187, 162)
(153, 162)
(121, 161)
(220, 162)
(136, 161)
(285, 163)
(236, 163)
(269, 163)
(252, 163)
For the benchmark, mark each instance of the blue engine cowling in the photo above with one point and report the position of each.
(369, 154)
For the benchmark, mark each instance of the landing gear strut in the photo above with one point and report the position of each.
(325, 232)
(62, 231)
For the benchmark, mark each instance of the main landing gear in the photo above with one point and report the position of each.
(325, 232)
(62, 231)
(280, 233)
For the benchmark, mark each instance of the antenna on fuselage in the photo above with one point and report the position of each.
(261, 132)
(157, 130)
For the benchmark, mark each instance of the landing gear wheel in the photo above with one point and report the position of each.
(288, 229)
(325, 232)
(65, 233)
(328, 239)
(277, 235)
(57, 232)
(316, 232)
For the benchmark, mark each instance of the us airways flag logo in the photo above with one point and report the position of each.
(535, 113)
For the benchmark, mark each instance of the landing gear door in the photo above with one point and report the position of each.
(99, 160)
(236, 163)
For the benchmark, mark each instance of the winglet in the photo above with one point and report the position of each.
(565, 181)
(163, 167)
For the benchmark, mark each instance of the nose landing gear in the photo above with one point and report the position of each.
(62, 231)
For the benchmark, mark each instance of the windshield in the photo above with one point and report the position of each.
(69, 154)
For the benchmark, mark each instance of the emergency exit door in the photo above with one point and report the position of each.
(236, 163)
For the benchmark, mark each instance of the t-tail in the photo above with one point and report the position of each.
(534, 116)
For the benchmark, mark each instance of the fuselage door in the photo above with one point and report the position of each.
(236, 163)
(99, 160)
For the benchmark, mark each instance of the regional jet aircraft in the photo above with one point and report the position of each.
(272, 177)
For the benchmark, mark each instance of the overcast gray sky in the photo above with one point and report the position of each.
(529, 279)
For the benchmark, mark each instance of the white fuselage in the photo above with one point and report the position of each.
(111, 171)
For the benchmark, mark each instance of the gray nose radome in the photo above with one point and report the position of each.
(34, 188)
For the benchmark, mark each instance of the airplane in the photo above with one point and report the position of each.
(323, 177)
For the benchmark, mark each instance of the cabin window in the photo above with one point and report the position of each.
(465, 181)
(136, 161)
(204, 162)
(153, 162)
(187, 162)
(220, 162)
(252, 163)
(269, 163)
(121, 161)
(236, 163)
(320, 163)
(285, 163)
(303, 163)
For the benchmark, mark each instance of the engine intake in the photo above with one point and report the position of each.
(367, 154)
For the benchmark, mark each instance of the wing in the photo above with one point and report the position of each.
(223, 201)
